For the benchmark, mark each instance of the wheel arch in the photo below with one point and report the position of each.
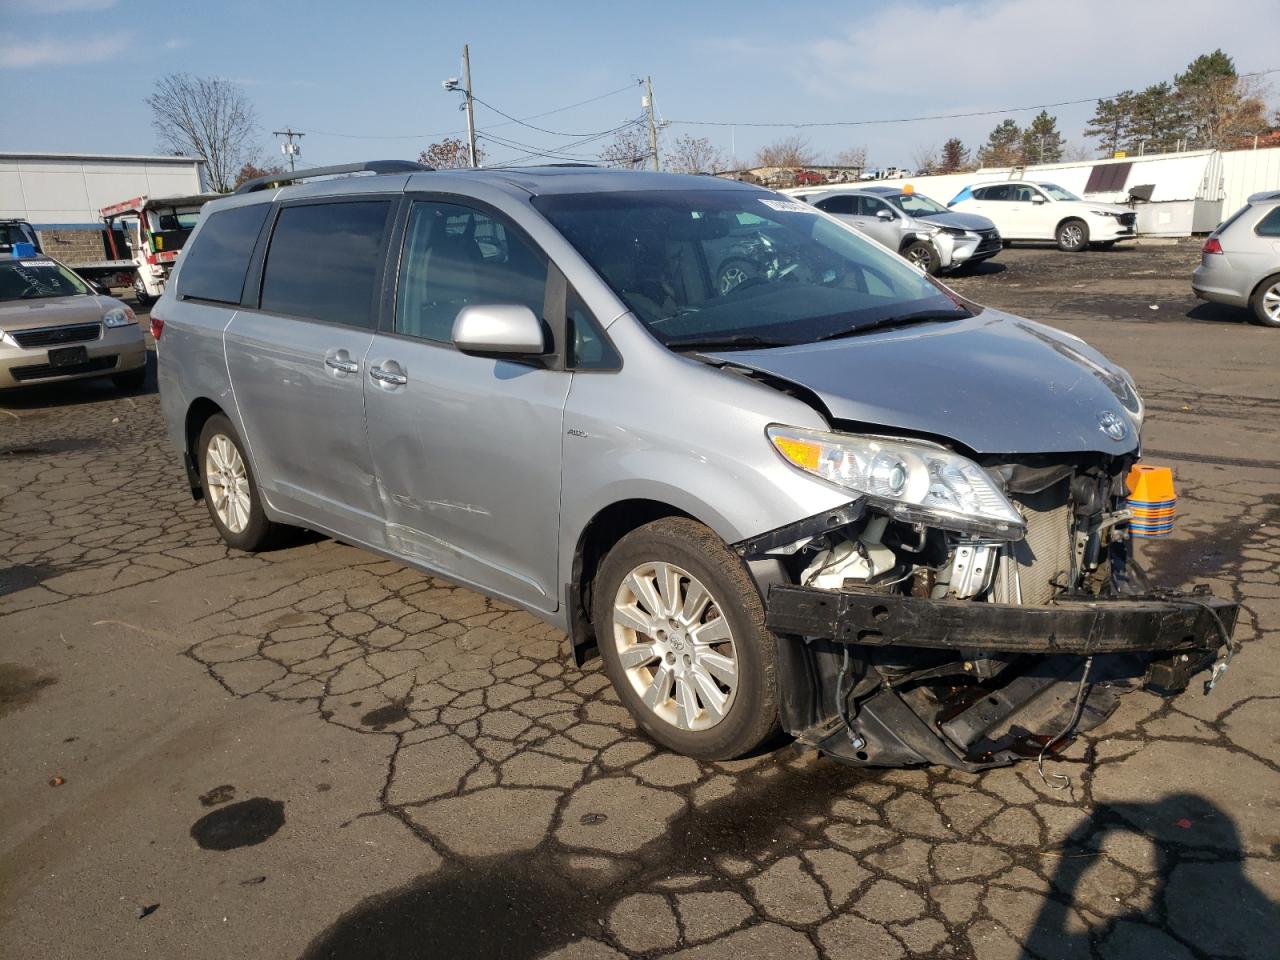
(198, 413)
(609, 525)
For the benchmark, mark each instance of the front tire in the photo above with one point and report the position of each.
(921, 254)
(1072, 236)
(140, 294)
(230, 489)
(680, 626)
(1265, 303)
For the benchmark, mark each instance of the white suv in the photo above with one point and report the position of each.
(1022, 210)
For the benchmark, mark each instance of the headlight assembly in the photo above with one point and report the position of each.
(911, 481)
(118, 317)
(1103, 213)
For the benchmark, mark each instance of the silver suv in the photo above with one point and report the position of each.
(928, 234)
(837, 498)
(1240, 263)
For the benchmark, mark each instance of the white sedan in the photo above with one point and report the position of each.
(1022, 210)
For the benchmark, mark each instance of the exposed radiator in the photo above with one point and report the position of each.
(1029, 567)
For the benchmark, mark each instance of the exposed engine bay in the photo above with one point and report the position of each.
(903, 643)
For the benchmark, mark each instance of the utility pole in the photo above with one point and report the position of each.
(290, 149)
(653, 127)
(471, 112)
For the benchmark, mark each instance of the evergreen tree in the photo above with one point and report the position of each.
(1157, 124)
(1041, 141)
(954, 156)
(1111, 121)
(1216, 104)
(1003, 147)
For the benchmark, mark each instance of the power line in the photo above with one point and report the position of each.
(561, 152)
(554, 133)
(937, 116)
(449, 133)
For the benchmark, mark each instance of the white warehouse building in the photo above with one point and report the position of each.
(67, 190)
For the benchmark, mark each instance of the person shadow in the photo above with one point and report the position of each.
(1203, 902)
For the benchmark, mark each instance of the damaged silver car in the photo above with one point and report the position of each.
(833, 498)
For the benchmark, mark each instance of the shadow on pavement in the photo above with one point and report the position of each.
(1201, 899)
(1218, 313)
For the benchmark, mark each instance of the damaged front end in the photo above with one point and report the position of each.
(907, 638)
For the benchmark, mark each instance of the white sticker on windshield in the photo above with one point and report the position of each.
(787, 206)
(36, 263)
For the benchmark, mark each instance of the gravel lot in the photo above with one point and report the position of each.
(318, 753)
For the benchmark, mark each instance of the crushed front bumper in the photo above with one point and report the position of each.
(888, 679)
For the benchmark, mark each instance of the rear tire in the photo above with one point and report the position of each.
(922, 254)
(1265, 303)
(230, 489)
(130, 381)
(680, 626)
(1072, 236)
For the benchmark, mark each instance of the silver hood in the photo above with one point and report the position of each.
(964, 221)
(996, 383)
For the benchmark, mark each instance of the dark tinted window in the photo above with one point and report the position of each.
(871, 207)
(455, 256)
(323, 261)
(1001, 192)
(214, 266)
(1269, 226)
(836, 204)
(589, 348)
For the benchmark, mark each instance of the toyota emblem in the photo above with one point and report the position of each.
(1112, 425)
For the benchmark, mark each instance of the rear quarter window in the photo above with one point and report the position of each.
(1269, 226)
(214, 265)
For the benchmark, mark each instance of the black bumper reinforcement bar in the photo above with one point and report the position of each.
(1167, 622)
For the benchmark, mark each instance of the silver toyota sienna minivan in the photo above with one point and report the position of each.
(836, 498)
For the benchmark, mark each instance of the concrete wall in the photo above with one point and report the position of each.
(67, 190)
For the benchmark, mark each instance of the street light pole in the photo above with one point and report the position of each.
(471, 114)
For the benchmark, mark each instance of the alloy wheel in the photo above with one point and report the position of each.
(1271, 302)
(920, 257)
(227, 483)
(675, 646)
(1072, 235)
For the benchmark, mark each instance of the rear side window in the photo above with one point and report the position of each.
(842, 204)
(215, 264)
(1269, 226)
(323, 261)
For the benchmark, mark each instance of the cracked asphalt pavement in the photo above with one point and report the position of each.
(318, 753)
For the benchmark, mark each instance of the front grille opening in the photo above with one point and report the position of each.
(53, 336)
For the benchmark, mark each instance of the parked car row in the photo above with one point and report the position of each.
(817, 491)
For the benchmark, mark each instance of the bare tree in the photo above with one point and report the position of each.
(449, 153)
(695, 155)
(207, 118)
(925, 157)
(1076, 152)
(852, 157)
(629, 149)
(793, 151)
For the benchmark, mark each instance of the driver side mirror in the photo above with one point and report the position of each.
(883, 214)
(500, 330)
(1037, 198)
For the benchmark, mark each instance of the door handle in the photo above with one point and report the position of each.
(387, 377)
(343, 366)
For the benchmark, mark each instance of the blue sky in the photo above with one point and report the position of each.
(76, 72)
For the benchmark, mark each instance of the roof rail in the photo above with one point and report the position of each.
(368, 166)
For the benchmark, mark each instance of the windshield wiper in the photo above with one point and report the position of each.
(736, 341)
(899, 320)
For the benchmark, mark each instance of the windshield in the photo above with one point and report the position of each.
(739, 267)
(1056, 192)
(38, 279)
(917, 205)
(173, 219)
